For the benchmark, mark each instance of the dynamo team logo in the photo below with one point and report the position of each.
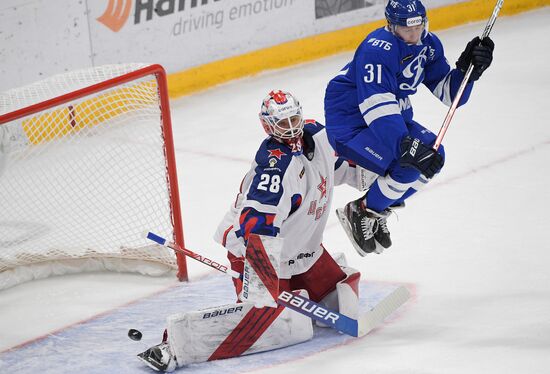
(116, 14)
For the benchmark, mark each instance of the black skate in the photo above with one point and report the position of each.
(366, 229)
(159, 358)
(382, 235)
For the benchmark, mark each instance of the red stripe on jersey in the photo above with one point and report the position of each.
(246, 333)
(240, 192)
(225, 233)
(250, 224)
(243, 216)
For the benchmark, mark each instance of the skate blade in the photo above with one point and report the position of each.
(142, 357)
(379, 248)
(347, 229)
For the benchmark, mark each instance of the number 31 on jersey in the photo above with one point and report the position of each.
(373, 73)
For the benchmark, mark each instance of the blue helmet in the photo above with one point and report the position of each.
(405, 12)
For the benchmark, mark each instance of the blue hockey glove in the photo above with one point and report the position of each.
(480, 54)
(417, 155)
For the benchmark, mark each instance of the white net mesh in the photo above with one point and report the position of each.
(84, 179)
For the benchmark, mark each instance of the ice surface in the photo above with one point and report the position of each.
(101, 345)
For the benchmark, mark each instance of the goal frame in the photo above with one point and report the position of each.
(160, 76)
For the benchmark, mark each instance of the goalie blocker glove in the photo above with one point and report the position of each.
(480, 54)
(417, 155)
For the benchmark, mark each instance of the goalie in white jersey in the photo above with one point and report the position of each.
(272, 232)
(287, 194)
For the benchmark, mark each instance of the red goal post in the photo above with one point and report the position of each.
(87, 165)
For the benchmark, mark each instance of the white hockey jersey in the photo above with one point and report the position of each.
(287, 195)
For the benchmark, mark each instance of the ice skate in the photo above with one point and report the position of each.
(159, 358)
(366, 229)
(382, 235)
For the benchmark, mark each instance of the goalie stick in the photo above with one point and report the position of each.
(353, 327)
(454, 105)
(195, 256)
(359, 327)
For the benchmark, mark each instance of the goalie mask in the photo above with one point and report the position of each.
(281, 118)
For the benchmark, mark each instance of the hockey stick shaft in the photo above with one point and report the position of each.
(195, 256)
(454, 105)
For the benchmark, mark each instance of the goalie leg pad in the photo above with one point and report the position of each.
(260, 268)
(237, 264)
(340, 259)
(261, 271)
(345, 299)
(320, 279)
(234, 330)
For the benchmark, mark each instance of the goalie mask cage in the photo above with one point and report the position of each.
(86, 167)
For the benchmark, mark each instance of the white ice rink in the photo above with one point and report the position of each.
(472, 247)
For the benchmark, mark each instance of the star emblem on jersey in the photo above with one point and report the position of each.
(276, 153)
(322, 187)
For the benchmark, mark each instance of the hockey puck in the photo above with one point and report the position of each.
(134, 334)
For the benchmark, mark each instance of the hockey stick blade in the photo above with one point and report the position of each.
(357, 328)
(319, 313)
(374, 317)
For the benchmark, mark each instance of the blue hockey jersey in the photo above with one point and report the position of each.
(372, 91)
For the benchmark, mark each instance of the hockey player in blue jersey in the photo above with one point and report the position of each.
(369, 117)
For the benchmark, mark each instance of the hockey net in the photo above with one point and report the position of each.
(86, 167)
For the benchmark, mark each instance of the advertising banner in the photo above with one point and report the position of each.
(39, 38)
